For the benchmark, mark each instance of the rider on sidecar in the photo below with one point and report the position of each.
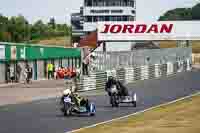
(76, 99)
(119, 93)
(122, 90)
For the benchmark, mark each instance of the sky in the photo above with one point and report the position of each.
(33, 10)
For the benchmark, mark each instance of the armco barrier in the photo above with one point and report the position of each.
(137, 73)
(151, 70)
(127, 75)
(120, 74)
(144, 72)
(101, 78)
(163, 70)
(157, 71)
(111, 73)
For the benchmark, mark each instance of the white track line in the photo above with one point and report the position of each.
(139, 112)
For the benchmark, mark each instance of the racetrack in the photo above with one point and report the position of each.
(43, 116)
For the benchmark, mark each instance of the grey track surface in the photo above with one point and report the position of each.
(43, 116)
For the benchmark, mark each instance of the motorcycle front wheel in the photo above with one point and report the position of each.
(114, 100)
(67, 109)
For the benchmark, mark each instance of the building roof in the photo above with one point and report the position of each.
(29, 44)
(21, 51)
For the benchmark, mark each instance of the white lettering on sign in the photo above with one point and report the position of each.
(42, 51)
(23, 53)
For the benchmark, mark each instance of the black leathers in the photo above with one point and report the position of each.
(123, 91)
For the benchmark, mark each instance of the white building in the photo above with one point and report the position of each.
(94, 11)
(107, 10)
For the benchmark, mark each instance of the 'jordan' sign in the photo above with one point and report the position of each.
(162, 30)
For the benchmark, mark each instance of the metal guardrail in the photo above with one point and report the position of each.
(132, 74)
(117, 59)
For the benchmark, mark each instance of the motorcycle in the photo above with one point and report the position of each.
(69, 107)
(116, 98)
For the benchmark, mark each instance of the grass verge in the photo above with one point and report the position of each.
(182, 116)
(58, 41)
(172, 44)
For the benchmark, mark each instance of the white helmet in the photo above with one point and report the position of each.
(67, 92)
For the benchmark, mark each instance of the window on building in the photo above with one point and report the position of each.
(95, 19)
(102, 18)
(88, 2)
(95, 3)
(122, 3)
(111, 18)
(125, 3)
(133, 11)
(116, 11)
(129, 3)
(117, 3)
(132, 3)
(100, 3)
(131, 18)
(107, 18)
(124, 18)
(114, 18)
(113, 3)
(106, 3)
(88, 18)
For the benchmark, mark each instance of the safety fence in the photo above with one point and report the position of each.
(132, 74)
(136, 58)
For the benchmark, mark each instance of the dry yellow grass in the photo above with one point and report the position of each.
(58, 41)
(172, 44)
(180, 117)
(167, 44)
(196, 46)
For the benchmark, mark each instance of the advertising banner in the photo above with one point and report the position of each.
(160, 30)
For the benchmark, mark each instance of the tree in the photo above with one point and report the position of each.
(4, 35)
(177, 14)
(38, 30)
(52, 23)
(18, 29)
(196, 12)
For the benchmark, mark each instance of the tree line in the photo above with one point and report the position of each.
(18, 29)
(182, 14)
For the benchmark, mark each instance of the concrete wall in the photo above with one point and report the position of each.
(2, 72)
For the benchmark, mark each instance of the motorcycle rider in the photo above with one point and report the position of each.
(76, 99)
(123, 91)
